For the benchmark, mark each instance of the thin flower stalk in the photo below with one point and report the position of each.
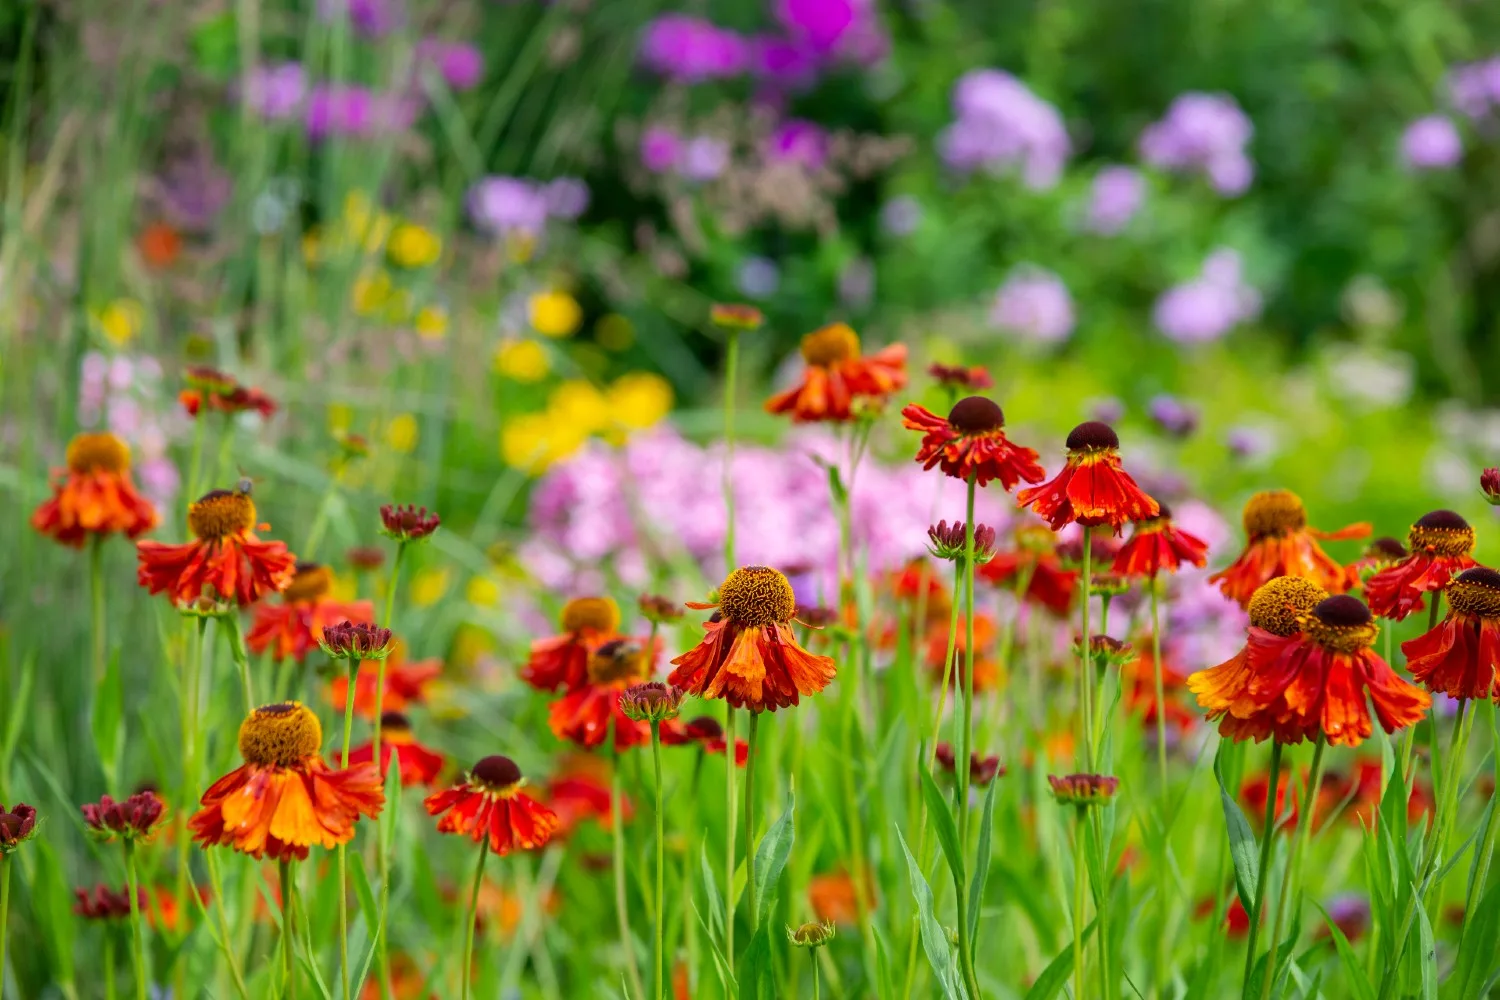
(622, 905)
(1267, 838)
(225, 946)
(289, 962)
(1294, 865)
(100, 646)
(751, 757)
(466, 975)
(137, 933)
(966, 745)
(236, 639)
(731, 802)
(4, 910)
(659, 939)
(382, 847)
(1161, 696)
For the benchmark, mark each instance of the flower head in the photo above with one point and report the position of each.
(734, 316)
(405, 684)
(1460, 655)
(750, 656)
(1083, 790)
(587, 713)
(971, 444)
(561, 661)
(1279, 543)
(293, 628)
(1157, 546)
(407, 523)
(418, 764)
(960, 377)
(1379, 553)
(652, 701)
(837, 376)
(982, 770)
(1034, 562)
(659, 610)
(103, 903)
(813, 934)
(1092, 488)
(95, 496)
(348, 641)
(284, 799)
(949, 541)
(209, 388)
(225, 560)
(365, 558)
(489, 803)
(17, 825)
(1440, 543)
(137, 818)
(1489, 485)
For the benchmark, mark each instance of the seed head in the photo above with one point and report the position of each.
(813, 934)
(651, 702)
(407, 523)
(280, 735)
(348, 641)
(1083, 790)
(137, 818)
(757, 596)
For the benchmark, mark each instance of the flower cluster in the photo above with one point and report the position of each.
(1001, 125)
(1203, 133)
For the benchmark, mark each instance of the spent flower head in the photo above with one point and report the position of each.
(408, 522)
(948, 541)
(982, 770)
(1489, 483)
(1083, 790)
(735, 316)
(660, 610)
(17, 825)
(136, 818)
(348, 641)
(365, 558)
(1110, 651)
(813, 934)
(960, 377)
(652, 701)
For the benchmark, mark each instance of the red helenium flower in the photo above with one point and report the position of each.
(224, 558)
(1279, 543)
(1157, 546)
(95, 496)
(1460, 656)
(418, 764)
(586, 714)
(1440, 543)
(490, 804)
(836, 376)
(1093, 488)
(561, 661)
(290, 629)
(971, 444)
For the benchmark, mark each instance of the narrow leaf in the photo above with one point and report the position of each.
(934, 938)
(1051, 981)
(1243, 849)
(1354, 972)
(770, 861)
(106, 721)
(1476, 953)
(942, 821)
(981, 865)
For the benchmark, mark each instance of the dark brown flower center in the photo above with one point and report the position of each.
(1093, 435)
(496, 774)
(976, 415)
(1273, 513)
(1442, 533)
(757, 596)
(1341, 623)
(619, 660)
(1475, 592)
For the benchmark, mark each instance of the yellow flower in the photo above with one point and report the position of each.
(483, 592)
(554, 314)
(340, 416)
(578, 404)
(372, 292)
(121, 321)
(345, 588)
(534, 441)
(431, 323)
(401, 433)
(312, 247)
(638, 400)
(367, 225)
(522, 360)
(413, 246)
(428, 587)
(614, 332)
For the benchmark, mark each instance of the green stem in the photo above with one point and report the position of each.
(236, 640)
(320, 520)
(195, 463)
(382, 848)
(964, 755)
(617, 829)
(4, 912)
(100, 648)
(659, 947)
(1079, 897)
(751, 753)
(1267, 833)
(192, 661)
(387, 621)
(1161, 698)
(289, 964)
(731, 372)
(229, 959)
(817, 986)
(1487, 847)
(468, 970)
(109, 965)
(137, 932)
(352, 668)
(1294, 864)
(1085, 676)
(729, 826)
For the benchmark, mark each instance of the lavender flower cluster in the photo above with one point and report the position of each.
(124, 395)
(1206, 134)
(516, 207)
(1034, 304)
(1001, 126)
(1210, 305)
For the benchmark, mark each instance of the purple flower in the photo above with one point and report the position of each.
(1474, 88)
(1035, 304)
(1002, 125)
(1108, 410)
(759, 277)
(691, 50)
(1114, 198)
(799, 141)
(566, 198)
(786, 63)
(1202, 133)
(660, 149)
(820, 23)
(1210, 305)
(195, 190)
(336, 109)
(901, 215)
(371, 18)
(459, 64)
(1250, 443)
(1431, 143)
(506, 206)
(1172, 415)
(704, 158)
(857, 283)
(276, 92)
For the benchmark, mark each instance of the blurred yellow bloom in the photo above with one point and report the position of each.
(312, 247)
(345, 587)
(401, 433)
(534, 441)
(431, 323)
(340, 416)
(522, 360)
(372, 293)
(413, 246)
(614, 332)
(579, 405)
(428, 587)
(554, 314)
(469, 644)
(483, 592)
(638, 400)
(121, 321)
(368, 226)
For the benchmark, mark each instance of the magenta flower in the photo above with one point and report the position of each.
(276, 92)
(1209, 306)
(1431, 143)
(1001, 125)
(460, 64)
(692, 50)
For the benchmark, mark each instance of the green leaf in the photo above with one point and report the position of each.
(50, 902)
(1051, 981)
(942, 821)
(1243, 849)
(1476, 953)
(725, 970)
(770, 861)
(981, 865)
(21, 708)
(1427, 956)
(107, 721)
(367, 906)
(1354, 972)
(759, 982)
(711, 891)
(934, 938)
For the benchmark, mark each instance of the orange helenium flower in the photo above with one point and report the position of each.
(284, 799)
(1276, 610)
(587, 713)
(971, 444)
(837, 375)
(221, 392)
(419, 765)
(580, 791)
(290, 630)
(1049, 584)
(749, 656)
(1157, 546)
(1460, 656)
(1092, 488)
(224, 557)
(490, 803)
(561, 661)
(95, 496)
(1279, 543)
(405, 684)
(1440, 544)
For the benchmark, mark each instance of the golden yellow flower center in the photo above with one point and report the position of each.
(620, 660)
(101, 452)
(830, 345)
(1274, 512)
(601, 614)
(311, 582)
(1475, 592)
(1277, 605)
(220, 514)
(1442, 533)
(1341, 623)
(757, 596)
(280, 735)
